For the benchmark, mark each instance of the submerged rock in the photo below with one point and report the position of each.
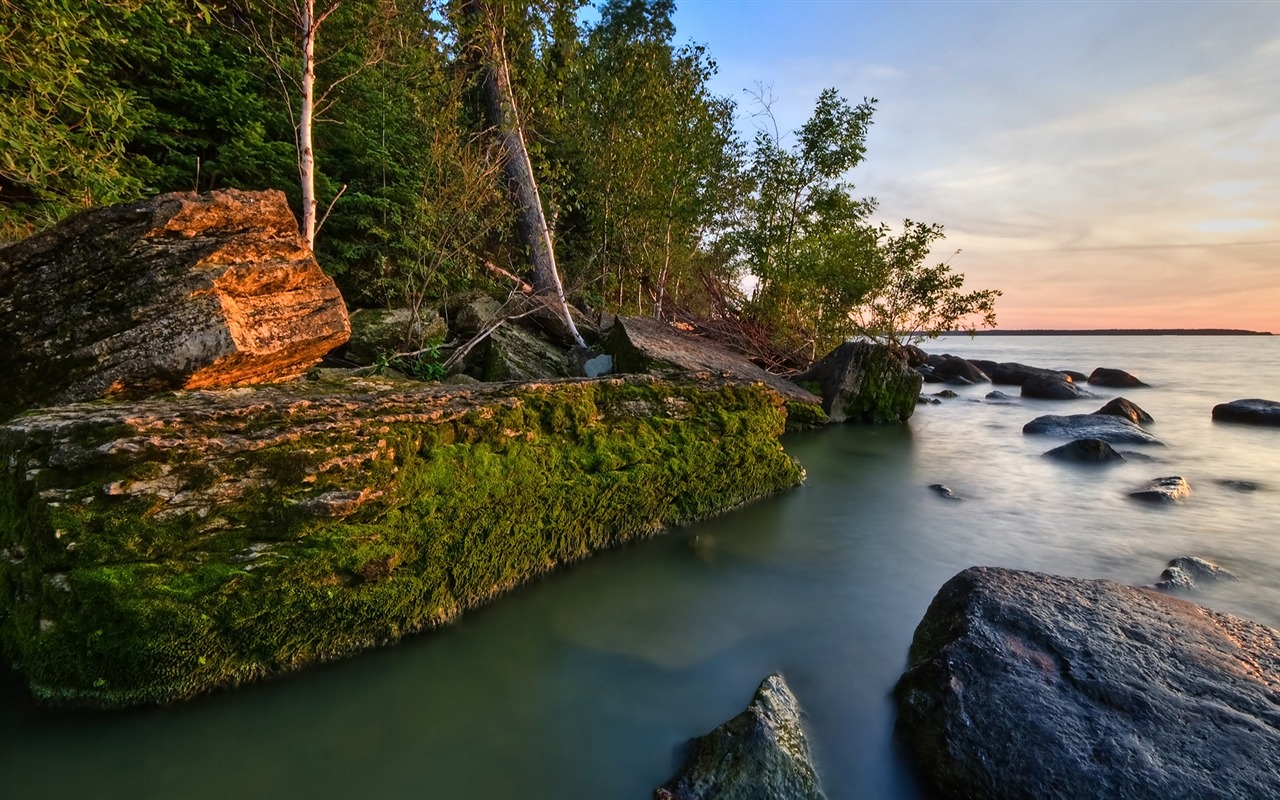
(761, 753)
(946, 393)
(1238, 485)
(388, 507)
(179, 291)
(1252, 412)
(998, 396)
(1085, 451)
(1025, 685)
(865, 382)
(1114, 379)
(1052, 387)
(1164, 490)
(1115, 430)
(1120, 407)
(1184, 572)
(944, 491)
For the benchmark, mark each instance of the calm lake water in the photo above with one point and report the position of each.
(584, 684)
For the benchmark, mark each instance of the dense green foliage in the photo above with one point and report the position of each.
(656, 204)
(110, 598)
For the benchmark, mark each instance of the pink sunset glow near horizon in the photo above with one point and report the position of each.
(1105, 165)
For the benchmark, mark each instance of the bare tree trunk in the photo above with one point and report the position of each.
(504, 116)
(306, 156)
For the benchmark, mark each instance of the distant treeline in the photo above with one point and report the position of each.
(1129, 332)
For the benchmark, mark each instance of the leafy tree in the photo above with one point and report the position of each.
(910, 301)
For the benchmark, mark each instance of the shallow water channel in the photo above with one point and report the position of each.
(583, 684)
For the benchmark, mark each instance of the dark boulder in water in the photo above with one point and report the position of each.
(945, 393)
(1052, 387)
(1023, 685)
(1185, 572)
(1086, 451)
(1164, 490)
(1076, 377)
(999, 396)
(1115, 430)
(949, 368)
(944, 491)
(1113, 379)
(1011, 373)
(1251, 412)
(761, 753)
(865, 382)
(1121, 407)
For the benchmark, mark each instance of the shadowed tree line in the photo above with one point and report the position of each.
(444, 146)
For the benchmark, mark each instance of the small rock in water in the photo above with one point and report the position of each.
(1113, 378)
(1251, 412)
(1238, 485)
(945, 393)
(999, 395)
(1116, 430)
(1125, 409)
(761, 753)
(1085, 450)
(1184, 572)
(944, 490)
(928, 401)
(1053, 386)
(1076, 377)
(1163, 490)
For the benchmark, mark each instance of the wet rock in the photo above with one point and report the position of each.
(1113, 379)
(1115, 430)
(1238, 485)
(1011, 373)
(1121, 407)
(944, 491)
(998, 395)
(947, 393)
(1251, 412)
(958, 380)
(1164, 490)
(1076, 377)
(949, 368)
(1024, 685)
(1184, 572)
(921, 400)
(1052, 387)
(180, 291)
(865, 382)
(761, 753)
(1085, 451)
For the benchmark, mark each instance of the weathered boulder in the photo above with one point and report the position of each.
(761, 753)
(1252, 412)
(157, 549)
(1115, 430)
(947, 393)
(865, 382)
(1076, 377)
(1184, 572)
(178, 291)
(512, 353)
(1023, 685)
(1052, 387)
(1011, 373)
(1085, 451)
(1121, 407)
(377, 332)
(644, 345)
(1114, 379)
(1164, 490)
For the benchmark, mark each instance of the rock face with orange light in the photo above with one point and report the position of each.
(178, 291)
(1029, 685)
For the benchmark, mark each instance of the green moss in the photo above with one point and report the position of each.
(146, 606)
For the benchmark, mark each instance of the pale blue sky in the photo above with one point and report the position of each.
(1106, 164)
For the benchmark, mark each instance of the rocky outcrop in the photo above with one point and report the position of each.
(761, 753)
(865, 382)
(178, 291)
(1052, 387)
(1085, 451)
(1114, 379)
(161, 548)
(1028, 685)
(1185, 572)
(1125, 409)
(1115, 430)
(1251, 412)
(1164, 490)
(643, 345)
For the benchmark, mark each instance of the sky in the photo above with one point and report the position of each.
(1104, 164)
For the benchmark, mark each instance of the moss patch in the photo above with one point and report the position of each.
(154, 551)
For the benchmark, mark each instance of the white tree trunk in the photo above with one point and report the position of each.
(306, 157)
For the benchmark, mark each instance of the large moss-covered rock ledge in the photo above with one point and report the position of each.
(154, 550)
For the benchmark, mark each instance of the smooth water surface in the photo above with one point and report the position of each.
(584, 684)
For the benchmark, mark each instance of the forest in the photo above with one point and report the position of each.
(433, 148)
